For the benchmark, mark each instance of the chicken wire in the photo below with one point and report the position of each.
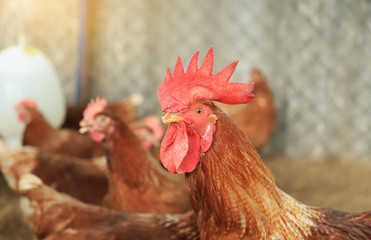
(315, 55)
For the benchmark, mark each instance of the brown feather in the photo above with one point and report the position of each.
(57, 216)
(79, 178)
(256, 119)
(126, 110)
(137, 182)
(235, 197)
(39, 133)
(339, 225)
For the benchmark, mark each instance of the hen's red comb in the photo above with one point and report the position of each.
(94, 107)
(178, 91)
(28, 102)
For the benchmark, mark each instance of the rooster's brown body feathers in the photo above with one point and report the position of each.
(235, 197)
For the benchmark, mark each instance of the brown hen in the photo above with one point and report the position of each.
(81, 179)
(258, 118)
(127, 110)
(39, 133)
(137, 182)
(53, 215)
(150, 131)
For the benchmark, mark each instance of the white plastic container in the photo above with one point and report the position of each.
(25, 72)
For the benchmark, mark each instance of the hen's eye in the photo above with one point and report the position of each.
(101, 118)
(199, 111)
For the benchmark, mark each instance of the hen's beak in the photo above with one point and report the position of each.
(84, 126)
(169, 118)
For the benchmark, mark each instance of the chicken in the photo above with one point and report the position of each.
(81, 179)
(150, 131)
(137, 182)
(258, 118)
(233, 192)
(39, 133)
(73, 117)
(126, 109)
(53, 215)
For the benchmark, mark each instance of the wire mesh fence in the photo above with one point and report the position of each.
(315, 55)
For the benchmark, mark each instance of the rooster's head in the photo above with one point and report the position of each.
(186, 99)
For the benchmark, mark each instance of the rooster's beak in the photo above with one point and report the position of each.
(169, 118)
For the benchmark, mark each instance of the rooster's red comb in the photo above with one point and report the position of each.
(94, 107)
(28, 102)
(179, 90)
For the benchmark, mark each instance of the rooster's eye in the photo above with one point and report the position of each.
(199, 111)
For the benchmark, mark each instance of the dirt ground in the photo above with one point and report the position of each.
(333, 183)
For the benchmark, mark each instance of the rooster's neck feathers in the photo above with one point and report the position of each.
(237, 192)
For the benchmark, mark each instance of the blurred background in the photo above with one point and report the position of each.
(315, 55)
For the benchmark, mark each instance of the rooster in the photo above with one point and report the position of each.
(258, 118)
(233, 192)
(39, 133)
(137, 182)
(56, 216)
